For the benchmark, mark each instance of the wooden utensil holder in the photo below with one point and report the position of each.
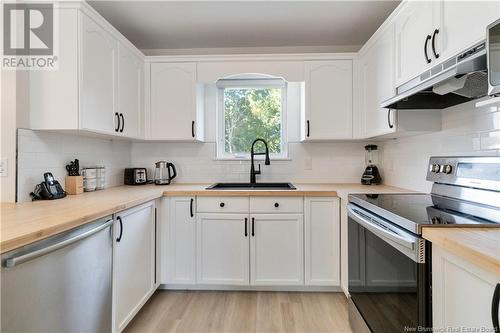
(74, 184)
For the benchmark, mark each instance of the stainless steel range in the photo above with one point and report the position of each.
(389, 261)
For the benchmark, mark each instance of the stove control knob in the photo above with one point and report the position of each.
(435, 168)
(447, 169)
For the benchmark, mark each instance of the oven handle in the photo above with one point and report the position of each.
(401, 238)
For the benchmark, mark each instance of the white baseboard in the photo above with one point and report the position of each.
(250, 288)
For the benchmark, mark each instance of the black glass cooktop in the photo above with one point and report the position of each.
(411, 211)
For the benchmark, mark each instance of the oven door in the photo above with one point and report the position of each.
(389, 274)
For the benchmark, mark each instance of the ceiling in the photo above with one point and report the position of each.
(237, 24)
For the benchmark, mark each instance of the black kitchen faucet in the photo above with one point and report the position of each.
(254, 172)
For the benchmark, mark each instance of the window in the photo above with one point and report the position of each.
(248, 109)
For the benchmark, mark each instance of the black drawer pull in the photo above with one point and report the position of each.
(427, 39)
(121, 229)
(117, 127)
(391, 125)
(191, 207)
(433, 44)
(308, 128)
(494, 309)
(246, 227)
(276, 204)
(253, 226)
(222, 205)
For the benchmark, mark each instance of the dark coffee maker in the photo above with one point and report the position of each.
(371, 176)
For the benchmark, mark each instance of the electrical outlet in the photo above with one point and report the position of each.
(4, 163)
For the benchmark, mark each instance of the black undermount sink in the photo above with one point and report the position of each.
(250, 186)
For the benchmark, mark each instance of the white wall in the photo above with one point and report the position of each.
(309, 162)
(466, 130)
(40, 151)
(8, 134)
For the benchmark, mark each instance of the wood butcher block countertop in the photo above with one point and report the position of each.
(480, 246)
(25, 223)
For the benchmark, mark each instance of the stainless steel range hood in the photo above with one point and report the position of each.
(457, 80)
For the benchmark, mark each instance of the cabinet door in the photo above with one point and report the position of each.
(276, 249)
(377, 70)
(180, 248)
(413, 25)
(455, 34)
(173, 101)
(462, 293)
(130, 92)
(328, 100)
(322, 241)
(98, 78)
(134, 261)
(223, 249)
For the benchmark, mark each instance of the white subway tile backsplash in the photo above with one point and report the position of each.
(467, 131)
(331, 162)
(40, 151)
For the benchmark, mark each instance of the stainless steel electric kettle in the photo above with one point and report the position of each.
(164, 172)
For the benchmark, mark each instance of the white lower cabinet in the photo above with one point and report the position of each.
(256, 241)
(322, 241)
(134, 261)
(222, 249)
(462, 293)
(179, 241)
(276, 249)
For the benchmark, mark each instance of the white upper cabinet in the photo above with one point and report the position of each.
(131, 92)
(175, 111)
(98, 84)
(414, 28)
(377, 80)
(428, 32)
(328, 101)
(98, 77)
(455, 32)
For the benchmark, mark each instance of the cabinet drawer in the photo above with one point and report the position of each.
(222, 204)
(276, 204)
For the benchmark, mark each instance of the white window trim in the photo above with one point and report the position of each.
(220, 149)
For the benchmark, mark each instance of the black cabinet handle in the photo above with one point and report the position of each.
(427, 39)
(434, 43)
(121, 229)
(192, 128)
(191, 208)
(308, 128)
(494, 309)
(246, 226)
(117, 127)
(276, 204)
(253, 226)
(123, 122)
(391, 125)
(222, 205)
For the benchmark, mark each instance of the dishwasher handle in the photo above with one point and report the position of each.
(13, 261)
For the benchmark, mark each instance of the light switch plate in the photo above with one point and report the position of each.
(4, 163)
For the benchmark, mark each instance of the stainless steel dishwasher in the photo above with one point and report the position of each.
(60, 284)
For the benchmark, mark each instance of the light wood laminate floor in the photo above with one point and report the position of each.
(229, 311)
